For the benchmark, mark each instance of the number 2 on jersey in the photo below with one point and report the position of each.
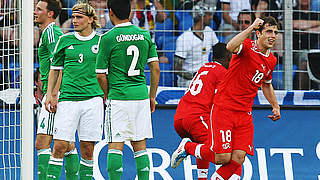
(194, 89)
(132, 71)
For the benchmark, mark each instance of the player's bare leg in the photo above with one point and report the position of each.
(227, 170)
(86, 162)
(142, 159)
(60, 147)
(42, 144)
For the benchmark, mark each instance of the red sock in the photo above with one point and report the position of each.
(238, 171)
(227, 170)
(205, 152)
(202, 167)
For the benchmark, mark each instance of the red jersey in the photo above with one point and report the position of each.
(247, 70)
(198, 99)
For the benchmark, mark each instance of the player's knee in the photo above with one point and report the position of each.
(59, 149)
(222, 158)
(71, 146)
(238, 156)
(86, 150)
(42, 144)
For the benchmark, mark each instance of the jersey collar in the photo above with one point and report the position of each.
(51, 24)
(255, 49)
(124, 24)
(78, 36)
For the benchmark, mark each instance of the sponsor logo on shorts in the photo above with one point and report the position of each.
(250, 147)
(226, 145)
(55, 131)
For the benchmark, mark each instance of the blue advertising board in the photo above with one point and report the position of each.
(288, 149)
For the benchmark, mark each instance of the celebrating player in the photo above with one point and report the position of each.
(123, 53)
(232, 135)
(45, 13)
(80, 104)
(193, 112)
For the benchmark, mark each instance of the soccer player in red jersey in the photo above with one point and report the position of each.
(193, 112)
(250, 68)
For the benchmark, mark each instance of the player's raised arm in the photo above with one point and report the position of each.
(268, 92)
(234, 44)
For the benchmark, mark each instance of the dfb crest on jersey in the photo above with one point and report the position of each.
(95, 49)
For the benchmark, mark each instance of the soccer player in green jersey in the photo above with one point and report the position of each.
(45, 13)
(80, 106)
(123, 53)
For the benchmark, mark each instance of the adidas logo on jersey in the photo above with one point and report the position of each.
(70, 47)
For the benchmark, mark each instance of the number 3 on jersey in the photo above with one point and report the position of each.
(135, 50)
(197, 84)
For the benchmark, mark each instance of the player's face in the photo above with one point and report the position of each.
(41, 13)
(268, 36)
(81, 22)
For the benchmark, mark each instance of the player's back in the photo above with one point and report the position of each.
(199, 96)
(128, 50)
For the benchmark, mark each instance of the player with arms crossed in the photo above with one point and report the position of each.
(80, 104)
(123, 53)
(193, 112)
(45, 13)
(250, 68)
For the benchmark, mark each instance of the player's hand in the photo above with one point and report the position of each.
(276, 114)
(152, 104)
(51, 103)
(257, 23)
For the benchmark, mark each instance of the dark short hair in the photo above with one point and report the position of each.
(268, 20)
(247, 12)
(220, 52)
(121, 8)
(53, 5)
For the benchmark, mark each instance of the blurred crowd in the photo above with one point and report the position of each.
(184, 32)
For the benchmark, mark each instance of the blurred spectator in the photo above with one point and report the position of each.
(245, 19)
(260, 7)
(194, 45)
(9, 34)
(306, 25)
(143, 16)
(231, 9)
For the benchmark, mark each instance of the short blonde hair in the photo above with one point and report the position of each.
(87, 10)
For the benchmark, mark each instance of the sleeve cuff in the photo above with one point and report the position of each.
(240, 48)
(152, 59)
(100, 71)
(268, 81)
(56, 67)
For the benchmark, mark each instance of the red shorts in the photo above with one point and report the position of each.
(232, 130)
(195, 128)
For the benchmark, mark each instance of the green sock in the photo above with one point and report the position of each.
(54, 168)
(142, 164)
(114, 164)
(86, 169)
(43, 159)
(71, 164)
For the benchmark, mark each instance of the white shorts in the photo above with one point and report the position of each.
(128, 120)
(46, 120)
(84, 116)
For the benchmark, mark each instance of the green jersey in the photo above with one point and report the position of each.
(48, 40)
(123, 54)
(76, 55)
